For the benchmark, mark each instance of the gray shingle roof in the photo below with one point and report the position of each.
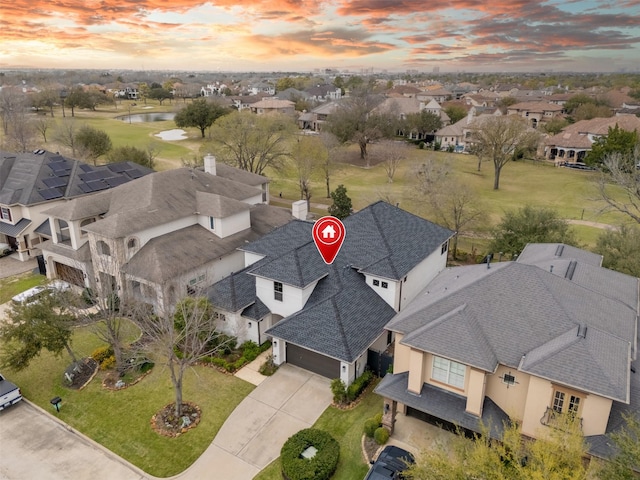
(30, 178)
(342, 317)
(184, 250)
(299, 268)
(162, 197)
(13, 230)
(483, 317)
(234, 292)
(444, 405)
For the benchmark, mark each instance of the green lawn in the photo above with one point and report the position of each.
(346, 426)
(120, 420)
(573, 194)
(11, 286)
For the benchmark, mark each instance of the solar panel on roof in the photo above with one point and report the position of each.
(98, 185)
(85, 188)
(54, 182)
(50, 193)
(56, 158)
(118, 167)
(134, 173)
(90, 176)
(115, 181)
(86, 168)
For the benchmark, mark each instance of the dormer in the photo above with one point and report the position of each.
(221, 215)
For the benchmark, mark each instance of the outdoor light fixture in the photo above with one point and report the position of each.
(344, 368)
(249, 324)
(275, 343)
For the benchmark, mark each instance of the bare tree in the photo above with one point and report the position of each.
(454, 204)
(308, 154)
(503, 139)
(12, 100)
(181, 338)
(252, 142)
(21, 131)
(66, 134)
(330, 164)
(391, 154)
(620, 173)
(41, 125)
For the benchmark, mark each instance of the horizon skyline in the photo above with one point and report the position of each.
(579, 36)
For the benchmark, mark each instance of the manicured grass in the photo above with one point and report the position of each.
(11, 286)
(346, 426)
(120, 420)
(573, 194)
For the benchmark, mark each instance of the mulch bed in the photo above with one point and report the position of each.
(113, 381)
(166, 423)
(370, 448)
(83, 375)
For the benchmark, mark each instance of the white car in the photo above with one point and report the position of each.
(5, 249)
(30, 296)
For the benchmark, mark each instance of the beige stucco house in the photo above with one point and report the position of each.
(551, 334)
(162, 236)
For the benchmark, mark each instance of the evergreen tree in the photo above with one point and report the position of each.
(341, 207)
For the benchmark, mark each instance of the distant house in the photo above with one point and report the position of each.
(31, 183)
(575, 141)
(314, 119)
(552, 334)
(324, 93)
(268, 106)
(535, 112)
(262, 88)
(459, 135)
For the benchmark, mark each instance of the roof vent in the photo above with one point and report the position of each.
(571, 270)
(582, 331)
(550, 268)
(559, 250)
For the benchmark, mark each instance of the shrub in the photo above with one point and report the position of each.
(108, 363)
(358, 385)
(370, 427)
(321, 466)
(100, 354)
(378, 418)
(381, 435)
(268, 368)
(250, 350)
(339, 391)
(421, 145)
(89, 297)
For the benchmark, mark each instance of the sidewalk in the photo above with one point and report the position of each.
(249, 373)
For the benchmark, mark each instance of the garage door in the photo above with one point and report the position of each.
(312, 361)
(69, 274)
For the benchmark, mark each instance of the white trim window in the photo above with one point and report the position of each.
(449, 372)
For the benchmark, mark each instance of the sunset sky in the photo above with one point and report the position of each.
(302, 35)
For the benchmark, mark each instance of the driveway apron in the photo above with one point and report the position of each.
(251, 438)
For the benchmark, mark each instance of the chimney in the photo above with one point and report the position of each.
(300, 209)
(210, 164)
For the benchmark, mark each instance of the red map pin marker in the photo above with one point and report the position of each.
(328, 235)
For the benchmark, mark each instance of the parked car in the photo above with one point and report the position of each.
(33, 294)
(9, 393)
(5, 249)
(390, 464)
(578, 165)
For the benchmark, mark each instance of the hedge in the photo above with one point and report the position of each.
(381, 435)
(320, 467)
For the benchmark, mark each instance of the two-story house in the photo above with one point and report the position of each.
(551, 334)
(535, 112)
(33, 182)
(163, 236)
(325, 318)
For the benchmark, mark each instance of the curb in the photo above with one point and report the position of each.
(93, 443)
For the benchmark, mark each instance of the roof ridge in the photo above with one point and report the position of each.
(72, 176)
(234, 299)
(385, 242)
(343, 334)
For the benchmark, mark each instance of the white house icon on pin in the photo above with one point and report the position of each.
(329, 232)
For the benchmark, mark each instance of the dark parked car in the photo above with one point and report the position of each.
(578, 166)
(390, 464)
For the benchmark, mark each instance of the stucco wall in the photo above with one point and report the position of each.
(418, 278)
(510, 398)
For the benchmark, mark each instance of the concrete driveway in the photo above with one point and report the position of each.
(252, 436)
(36, 445)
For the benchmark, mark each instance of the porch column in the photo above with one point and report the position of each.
(389, 414)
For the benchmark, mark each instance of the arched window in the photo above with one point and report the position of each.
(64, 235)
(83, 223)
(103, 248)
(132, 243)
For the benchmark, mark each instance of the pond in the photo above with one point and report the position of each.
(147, 117)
